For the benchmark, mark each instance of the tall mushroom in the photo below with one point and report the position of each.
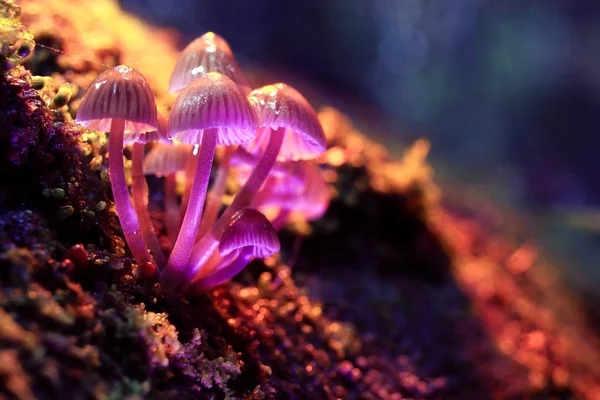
(210, 111)
(208, 53)
(120, 101)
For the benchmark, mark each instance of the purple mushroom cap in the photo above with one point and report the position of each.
(281, 106)
(119, 93)
(160, 135)
(166, 159)
(250, 229)
(208, 53)
(311, 200)
(212, 101)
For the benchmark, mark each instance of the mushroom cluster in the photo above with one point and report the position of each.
(270, 138)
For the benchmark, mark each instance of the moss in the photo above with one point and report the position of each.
(372, 309)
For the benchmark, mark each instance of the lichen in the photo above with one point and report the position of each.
(17, 42)
(196, 364)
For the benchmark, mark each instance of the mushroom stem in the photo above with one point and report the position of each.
(139, 191)
(180, 255)
(253, 184)
(224, 273)
(172, 214)
(215, 195)
(127, 215)
(262, 195)
(189, 172)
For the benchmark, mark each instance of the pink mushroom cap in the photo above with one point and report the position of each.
(212, 101)
(311, 201)
(120, 92)
(281, 106)
(164, 159)
(160, 135)
(250, 229)
(207, 53)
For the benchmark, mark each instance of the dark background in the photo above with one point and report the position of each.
(508, 92)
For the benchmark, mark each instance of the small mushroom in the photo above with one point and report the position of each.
(121, 102)
(249, 228)
(249, 235)
(311, 201)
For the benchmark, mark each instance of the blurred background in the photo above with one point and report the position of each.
(508, 92)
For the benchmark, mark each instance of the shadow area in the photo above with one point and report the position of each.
(374, 262)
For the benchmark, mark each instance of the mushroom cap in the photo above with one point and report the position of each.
(291, 180)
(207, 53)
(164, 159)
(311, 200)
(120, 92)
(212, 101)
(161, 134)
(250, 229)
(281, 106)
(315, 199)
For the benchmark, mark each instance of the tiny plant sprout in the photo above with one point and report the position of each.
(210, 111)
(167, 160)
(207, 53)
(121, 102)
(139, 187)
(288, 130)
(249, 235)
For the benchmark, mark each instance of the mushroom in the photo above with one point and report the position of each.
(288, 130)
(139, 187)
(120, 101)
(249, 235)
(310, 201)
(208, 53)
(210, 111)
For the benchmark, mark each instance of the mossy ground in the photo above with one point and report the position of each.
(390, 296)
